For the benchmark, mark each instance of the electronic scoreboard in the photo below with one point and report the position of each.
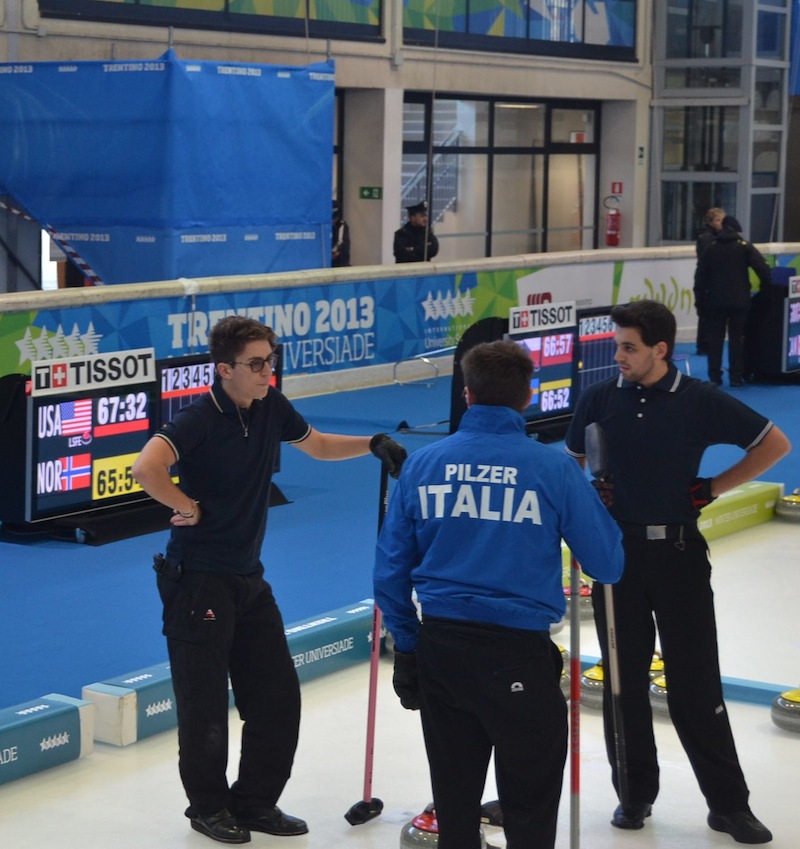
(85, 420)
(596, 348)
(791, 327)
(548, 334)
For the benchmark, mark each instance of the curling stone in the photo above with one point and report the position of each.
(658, 695)
(423, 831)
(585, 609)
(592, 687)
(656, 665)
(786, 710)
(788, 507)
(565, 670)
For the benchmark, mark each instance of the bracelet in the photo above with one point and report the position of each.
(189, 515)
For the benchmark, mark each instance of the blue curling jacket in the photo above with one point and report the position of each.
(475, 526)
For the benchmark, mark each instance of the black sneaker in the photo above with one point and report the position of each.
(742, 826)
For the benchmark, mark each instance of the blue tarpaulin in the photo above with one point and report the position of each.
(154, 170)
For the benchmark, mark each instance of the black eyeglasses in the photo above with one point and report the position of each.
(257, 363)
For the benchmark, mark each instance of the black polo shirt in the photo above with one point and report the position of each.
(655, 439)
(225, 460)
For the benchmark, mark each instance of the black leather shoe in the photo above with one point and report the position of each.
(220, 826)
(632, 816)
(742, 826)
(271, 821)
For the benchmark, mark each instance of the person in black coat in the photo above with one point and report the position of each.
(713, 221)
(722, 293)
(340, 239)
(414, 241)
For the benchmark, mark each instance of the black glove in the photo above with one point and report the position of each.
(390, 453)
(700, 493)
(405, 680)
(605, 489)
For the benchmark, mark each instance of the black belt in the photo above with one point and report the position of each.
(660, 532)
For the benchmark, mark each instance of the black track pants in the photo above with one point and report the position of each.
(485, 689)
(662, 579)
(216, 626)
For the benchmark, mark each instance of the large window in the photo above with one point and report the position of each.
(704, 29)
(701, 138)
(358, 19)
(502, 176)
(685, 203)
(597, 29)
(720, 117)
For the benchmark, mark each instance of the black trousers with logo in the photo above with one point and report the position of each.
(229, 625)
(667, 583)
(487, 689)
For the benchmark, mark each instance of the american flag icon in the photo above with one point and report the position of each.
(76, 417)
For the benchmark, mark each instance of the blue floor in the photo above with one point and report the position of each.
(74, 614)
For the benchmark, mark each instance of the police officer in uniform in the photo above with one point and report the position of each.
(414, 241)
(657, 423)
(475, 526)
(340, 238)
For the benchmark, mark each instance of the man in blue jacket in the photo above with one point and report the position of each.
(475, 527)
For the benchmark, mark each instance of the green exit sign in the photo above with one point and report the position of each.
(370, 192)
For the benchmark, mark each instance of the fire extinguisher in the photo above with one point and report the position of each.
(613, 221)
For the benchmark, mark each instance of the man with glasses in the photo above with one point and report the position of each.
(220, 617)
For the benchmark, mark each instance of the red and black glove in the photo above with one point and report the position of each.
(700, 493)
(605, 489)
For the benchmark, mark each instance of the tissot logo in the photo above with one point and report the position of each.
(97, 371)
(548, 316)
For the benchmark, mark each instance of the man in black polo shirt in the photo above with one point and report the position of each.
(657, 423)
(220, 617)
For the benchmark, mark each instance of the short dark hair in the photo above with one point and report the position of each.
(652, 319)
(498, 374)
(230, 335)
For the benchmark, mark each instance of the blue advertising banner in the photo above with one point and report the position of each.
(156, 170)
(343, 324)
